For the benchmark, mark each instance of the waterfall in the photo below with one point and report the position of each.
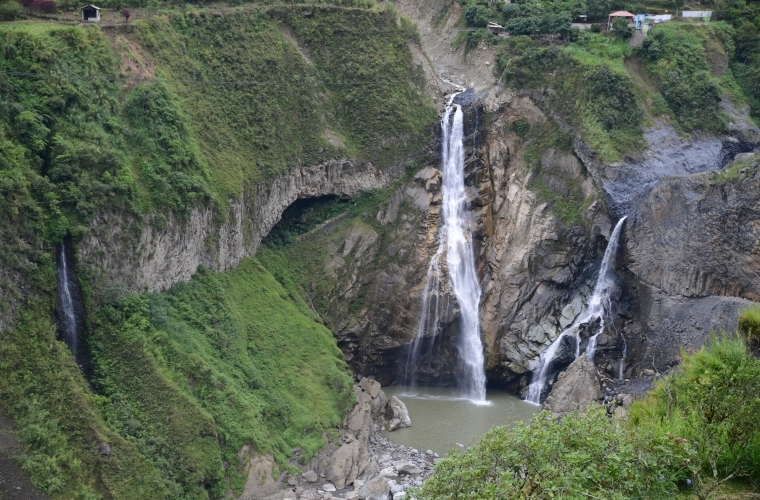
(67, 313)
(597, 308)
(455, 241)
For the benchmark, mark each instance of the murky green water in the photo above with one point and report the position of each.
(440, 420)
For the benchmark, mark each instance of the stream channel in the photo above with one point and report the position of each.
(441, 419)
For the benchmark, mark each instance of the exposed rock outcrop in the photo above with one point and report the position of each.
(575, 388)
(148, 255)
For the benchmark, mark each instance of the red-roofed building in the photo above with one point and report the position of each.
(621, 13)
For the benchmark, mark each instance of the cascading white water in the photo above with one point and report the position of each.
(598, 306)
(68, 317)
(456, 241)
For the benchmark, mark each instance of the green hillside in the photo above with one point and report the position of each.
(185, 109)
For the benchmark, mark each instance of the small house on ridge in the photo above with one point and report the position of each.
(620, 13)
(90, 14)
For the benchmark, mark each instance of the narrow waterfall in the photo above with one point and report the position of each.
(69, 305)
(455, 241)
(598, 307)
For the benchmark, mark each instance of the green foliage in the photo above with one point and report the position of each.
(59, 418)
(749, 327)
(347, 73)
(676, 59)
(219, 362)
(583, 455)
(593, 91)
(10, 10)
(695, 431)
(478, 15)
(735, 170)
(713, 404)
(231, 359)
(621, 29)
(521, 127)
(473, 38)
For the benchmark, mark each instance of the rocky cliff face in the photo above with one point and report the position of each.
(531, 263)
(155, 254)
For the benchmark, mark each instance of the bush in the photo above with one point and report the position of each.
(713, 402)
(749, 327)
(10, 11)
(584, 455)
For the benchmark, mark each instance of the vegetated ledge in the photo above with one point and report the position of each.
(154, 253)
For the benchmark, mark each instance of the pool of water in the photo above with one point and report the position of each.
(440, 419)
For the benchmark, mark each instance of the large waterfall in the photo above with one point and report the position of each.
(598, 307)
(455, 241)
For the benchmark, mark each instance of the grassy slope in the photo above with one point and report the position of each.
(232, 358)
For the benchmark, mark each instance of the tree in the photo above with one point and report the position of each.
(477, 15)
(48, 6)
(621, 29)
(598, 8)
(125, 13)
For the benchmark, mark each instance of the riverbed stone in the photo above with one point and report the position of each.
(310, 476)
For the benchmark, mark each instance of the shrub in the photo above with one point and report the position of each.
(584, 455)
(713, 402)
(749, 327)
(595, 28)
(10, 11)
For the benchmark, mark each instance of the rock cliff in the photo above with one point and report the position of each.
(156, 253)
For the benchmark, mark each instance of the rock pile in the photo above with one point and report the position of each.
(362, 464)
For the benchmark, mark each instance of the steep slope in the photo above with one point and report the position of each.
(148, 150)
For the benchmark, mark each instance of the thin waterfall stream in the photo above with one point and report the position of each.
(597, 309)
(455, 240)
(70, 309)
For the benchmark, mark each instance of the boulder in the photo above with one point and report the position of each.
(310, 476)
(309, 495)
(370, 386)
(260, 482)
(575, 389)
(378, 404)
(396, 414)
(408, 468)
(376, 489)
(352, 495)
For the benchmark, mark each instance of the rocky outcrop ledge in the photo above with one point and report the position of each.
(361, 465)
(155, 253)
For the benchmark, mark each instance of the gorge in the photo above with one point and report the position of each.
(230, 225)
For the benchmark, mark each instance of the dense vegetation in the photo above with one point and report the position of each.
(696, 430)
(180, 111)
(611, 91)
(222, 361)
